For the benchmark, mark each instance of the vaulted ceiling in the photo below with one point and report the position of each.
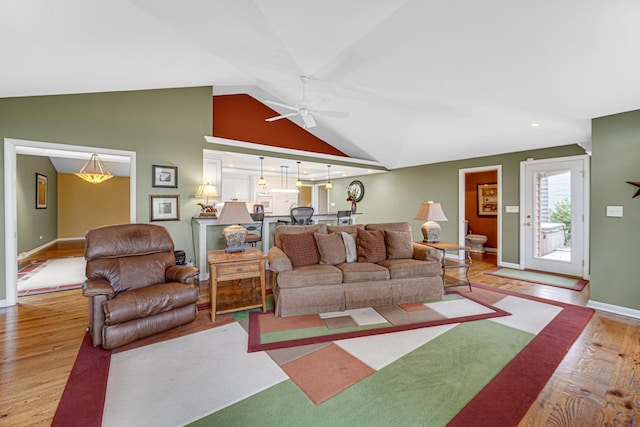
(424, 81)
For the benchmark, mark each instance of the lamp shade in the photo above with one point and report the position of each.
(234, 213)
(206, 190)
(430, 211)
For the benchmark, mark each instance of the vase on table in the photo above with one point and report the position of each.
(354, 207)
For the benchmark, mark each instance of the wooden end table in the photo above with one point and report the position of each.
(235, 266)
(466, 263)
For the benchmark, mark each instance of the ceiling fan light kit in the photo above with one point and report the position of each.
(303, 110)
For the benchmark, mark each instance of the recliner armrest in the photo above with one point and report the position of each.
(278, 260)
(95, 287)
(181, 273)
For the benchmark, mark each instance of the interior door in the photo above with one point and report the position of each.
(554, 224)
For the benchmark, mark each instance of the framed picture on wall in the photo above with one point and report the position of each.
(488, 199)
(164, 208)
(165, 176)
(41, 191)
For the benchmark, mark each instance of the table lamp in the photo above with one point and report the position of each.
(206, 191)
(431, 212)
(233, 214)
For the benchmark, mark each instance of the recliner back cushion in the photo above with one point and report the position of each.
(131, 272)
(127, 240)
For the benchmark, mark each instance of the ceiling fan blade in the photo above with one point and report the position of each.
(338, 114)
(272, 119)
(308, 121)
(279, 104)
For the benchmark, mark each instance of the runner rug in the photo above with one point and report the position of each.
(540, 278)
(479, 372)
(51, 275)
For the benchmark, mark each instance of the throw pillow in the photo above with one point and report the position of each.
(331, 248)
(350, 247)
(371, 246)
(399, 244)
(300, 248)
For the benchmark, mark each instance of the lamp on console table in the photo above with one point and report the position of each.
(205, 191)
(431, 212)
(233, 214)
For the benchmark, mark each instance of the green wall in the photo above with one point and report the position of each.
(396, 195)
(164, 127)
(36, 227)
(614, 260)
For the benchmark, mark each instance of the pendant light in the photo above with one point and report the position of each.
(298, 182)
(94, 171)
(329, 184)
(262, 182)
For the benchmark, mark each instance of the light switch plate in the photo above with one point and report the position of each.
(614, 211)
(512, 209)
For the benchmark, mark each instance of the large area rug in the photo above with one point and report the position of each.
(51, 275)
(484, 372)
(540, 278)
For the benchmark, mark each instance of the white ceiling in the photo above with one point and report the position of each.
(424, 81)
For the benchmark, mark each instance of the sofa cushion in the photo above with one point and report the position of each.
(350, 248)
(371, 246)
(283, 230)
(353, 272)
(300, 248)
(344, 228)
(310, 275)
(406, 268)
(399, 244)
(331, 248)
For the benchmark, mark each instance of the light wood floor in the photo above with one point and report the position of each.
(597, 383)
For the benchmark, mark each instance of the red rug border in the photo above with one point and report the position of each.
(579, 286)
(254, 344)
(518, 374)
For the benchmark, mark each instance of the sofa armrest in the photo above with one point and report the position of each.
(278, 260)
(425, 253)
(95, 287)
(181, 273)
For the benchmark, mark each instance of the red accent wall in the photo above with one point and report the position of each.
(487, 225)
(242, 118)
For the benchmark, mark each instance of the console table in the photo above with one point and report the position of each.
(465, 263)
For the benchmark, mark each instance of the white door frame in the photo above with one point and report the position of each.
(461, 203)
(585, 208)
(10, 202)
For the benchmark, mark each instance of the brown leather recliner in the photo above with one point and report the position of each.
(133, 285)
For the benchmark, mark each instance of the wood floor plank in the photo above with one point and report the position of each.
(596, 383)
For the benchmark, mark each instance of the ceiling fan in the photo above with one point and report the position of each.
(304, 110)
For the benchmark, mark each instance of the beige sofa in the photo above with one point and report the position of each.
(314, 270)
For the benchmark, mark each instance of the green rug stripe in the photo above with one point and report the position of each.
(428, 386)
(316, 331)
(530, 276)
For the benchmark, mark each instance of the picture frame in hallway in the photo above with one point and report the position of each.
(488, 199)
(41, 191)
(165, 176)
(164, 208)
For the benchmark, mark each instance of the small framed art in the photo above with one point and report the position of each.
(41, 191)
(165, 176)
(487, 199)
(164, 208)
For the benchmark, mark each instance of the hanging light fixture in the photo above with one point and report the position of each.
(262, 181)
(94, 171)
(298, 182)
(329, 184)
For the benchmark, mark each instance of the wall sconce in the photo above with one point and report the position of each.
(431, 212)
(329, 184)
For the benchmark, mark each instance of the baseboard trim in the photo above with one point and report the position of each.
(509, 265)
(24, 255)
(615, 309)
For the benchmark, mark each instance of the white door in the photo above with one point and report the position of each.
(554, 222)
